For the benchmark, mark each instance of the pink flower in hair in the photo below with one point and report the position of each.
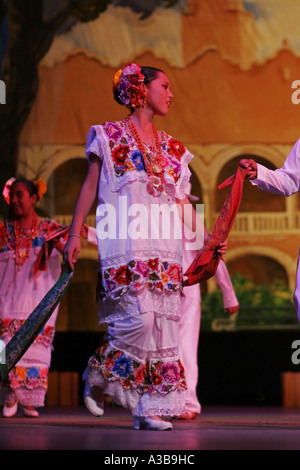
(6, 190)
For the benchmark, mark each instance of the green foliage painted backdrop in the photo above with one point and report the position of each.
(261, 306)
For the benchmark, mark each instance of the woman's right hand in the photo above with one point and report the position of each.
(71, 251)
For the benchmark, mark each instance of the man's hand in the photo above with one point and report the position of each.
(251, 167)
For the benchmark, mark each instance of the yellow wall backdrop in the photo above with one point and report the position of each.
(233, 67)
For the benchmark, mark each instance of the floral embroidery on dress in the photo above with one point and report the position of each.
(8, 239)
(165, 376)
(126, 157)
(9, 326)
(156, 275)
(3, 235)
(152, 377)
(29, 378)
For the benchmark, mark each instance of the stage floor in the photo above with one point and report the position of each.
(216, 429)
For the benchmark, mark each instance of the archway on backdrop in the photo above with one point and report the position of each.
(65, 184)
(259, 269)
(196, 189)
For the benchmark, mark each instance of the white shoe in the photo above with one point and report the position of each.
(94, 407)
(140, 422)
(30, 412)
(10, 411)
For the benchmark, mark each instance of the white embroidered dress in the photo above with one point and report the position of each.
(20, 293)
(140, 275)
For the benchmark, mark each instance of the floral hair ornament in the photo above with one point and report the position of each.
(116, 79)
(6, 189)
(127, 82)
(41, 188)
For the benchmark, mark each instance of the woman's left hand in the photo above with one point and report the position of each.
(71, 251)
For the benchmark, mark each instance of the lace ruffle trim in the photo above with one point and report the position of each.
(143, 355)
(162, 304)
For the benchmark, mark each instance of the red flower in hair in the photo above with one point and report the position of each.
(127, 82)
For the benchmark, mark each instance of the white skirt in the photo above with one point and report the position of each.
(138, 365)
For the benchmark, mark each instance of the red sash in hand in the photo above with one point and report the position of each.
(206, 261)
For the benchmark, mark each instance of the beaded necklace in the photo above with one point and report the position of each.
(154, 165)
(22, 253)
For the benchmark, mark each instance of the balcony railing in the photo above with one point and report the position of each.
(262, 223)
(265, 223)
